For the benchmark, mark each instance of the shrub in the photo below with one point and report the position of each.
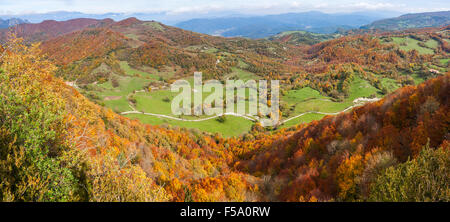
(116, 181)
(425, 178)
(221, 119)
(132, 99)
(35, 162)
(115, 83)
(166, 99)
(375, 164)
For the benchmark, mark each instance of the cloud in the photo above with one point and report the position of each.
(196, 9)
(375, 6)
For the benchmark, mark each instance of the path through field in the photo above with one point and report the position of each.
(357, 102)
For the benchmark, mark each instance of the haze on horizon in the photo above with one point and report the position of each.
(176, 8)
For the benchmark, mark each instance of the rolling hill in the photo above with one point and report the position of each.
(79, 151)
(50, 29)
(410, 21)
(56, 145)
(74, 123)
(302, 37)
(128, 66)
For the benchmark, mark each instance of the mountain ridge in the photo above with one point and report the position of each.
(11, 22)
(49, 29)
(412, 20)
(264, 26)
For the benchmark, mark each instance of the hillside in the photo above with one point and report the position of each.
(410, 21)
(56, 145)
(171, 47)
(342, 157)
(49, 29)
(302, 37)
(128, 66)
(265, 26)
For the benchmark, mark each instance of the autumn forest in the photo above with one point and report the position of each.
(365, 115)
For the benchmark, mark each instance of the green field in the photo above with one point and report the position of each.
(154, 25)
(303, 100)
(307, 99)
(132, 94)
(444, 61)
(134, 72)
(233, 126)
(116, 98)
(241, 74)
(303, 119)
(390, 84)
(408, 44)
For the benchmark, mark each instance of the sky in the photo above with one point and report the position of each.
(176, 7)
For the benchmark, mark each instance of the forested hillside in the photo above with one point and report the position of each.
(49, 29)
(129, 65)
(88, 51)
(361, 155)
(56, 145)
(414, 20)
(302, 37)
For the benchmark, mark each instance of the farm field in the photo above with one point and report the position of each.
(408, 44)
(305, 105)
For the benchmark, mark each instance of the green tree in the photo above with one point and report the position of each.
(425, 178)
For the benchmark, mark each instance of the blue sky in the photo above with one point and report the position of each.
(175, 7)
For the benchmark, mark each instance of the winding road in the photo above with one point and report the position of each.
(357, 102)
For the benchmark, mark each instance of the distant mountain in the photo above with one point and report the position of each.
(80, 45)
(302, 37)
(264, 26)
(164, 16)
(65, 15)
(419, 20)
(50, 28)
(11, 22)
